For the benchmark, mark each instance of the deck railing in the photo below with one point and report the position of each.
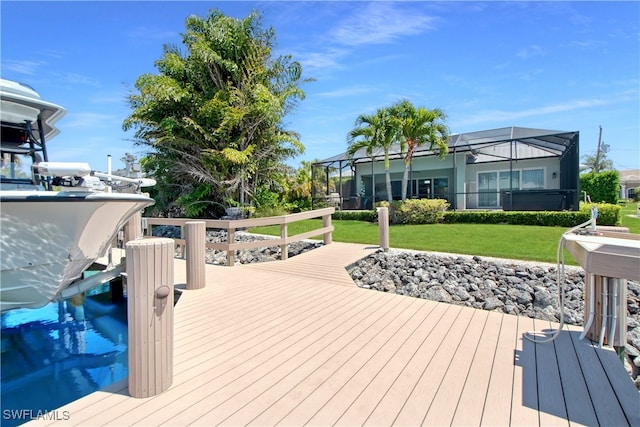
(231, 225)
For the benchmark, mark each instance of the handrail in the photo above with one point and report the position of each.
(231, 225)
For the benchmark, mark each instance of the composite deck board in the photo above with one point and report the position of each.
(348, 390)
(368, 397)
(579, 407)
(395, 399)
(510, 390)
(442, 407)
(608, 410)
(551, 401)
(296, 343)
(472, 397)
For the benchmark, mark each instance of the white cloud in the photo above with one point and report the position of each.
(349, 91)
(28, 68)
(510, 116)
(380, 22)
(321, 60)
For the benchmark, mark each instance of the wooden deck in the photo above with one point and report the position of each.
(296, 343)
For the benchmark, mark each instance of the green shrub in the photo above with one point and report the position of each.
(420, 211)
(601, 187)
(608, 214)
(551, 219)
(368, 215)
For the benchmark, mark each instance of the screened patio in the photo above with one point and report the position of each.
(511, 168)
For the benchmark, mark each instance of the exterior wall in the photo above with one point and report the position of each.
(550, 166)
(421, 168)
(462, 183)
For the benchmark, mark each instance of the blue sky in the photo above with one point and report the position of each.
(557, 65)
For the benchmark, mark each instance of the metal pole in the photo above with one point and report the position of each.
(597, 165)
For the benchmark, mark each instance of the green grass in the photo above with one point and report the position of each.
(503, 241)
(629, 218)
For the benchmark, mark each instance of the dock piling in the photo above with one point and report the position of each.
(195, 236)
(383, 228)
(150, 315)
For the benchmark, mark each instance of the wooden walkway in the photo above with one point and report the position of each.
(296, 343)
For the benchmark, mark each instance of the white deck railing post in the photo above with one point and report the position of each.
(150, 315)
(327, 238)
(195, 236)
(284, 251)
(383, 227)
(231, 238)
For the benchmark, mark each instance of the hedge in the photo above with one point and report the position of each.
(608, 214)
(601, 187)
(369, 215)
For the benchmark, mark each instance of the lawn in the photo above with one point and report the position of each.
(502, 241)
(629, 218)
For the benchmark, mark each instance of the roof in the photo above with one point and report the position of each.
(484, 146)
(629, 175)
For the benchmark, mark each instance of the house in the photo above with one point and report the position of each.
(629, 183)
(511, 168)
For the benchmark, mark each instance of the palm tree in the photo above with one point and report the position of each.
(371, 132)
(597, 164)
(418, 127)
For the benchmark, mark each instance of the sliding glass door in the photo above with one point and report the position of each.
(490, 184)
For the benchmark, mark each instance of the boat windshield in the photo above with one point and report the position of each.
(16, 171)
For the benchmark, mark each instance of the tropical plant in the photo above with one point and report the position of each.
(213, 114)
(597, 164)
(372, 132)
(300, 181)
(418, 127)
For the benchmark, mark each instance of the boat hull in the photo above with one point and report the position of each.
(50, 238)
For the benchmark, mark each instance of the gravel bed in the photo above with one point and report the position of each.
(245, 256)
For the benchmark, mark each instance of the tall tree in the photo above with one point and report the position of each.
(597, 165)
(418, 127)
(375, 131)
(212, 116)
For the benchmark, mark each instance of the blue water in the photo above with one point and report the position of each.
(59, 353)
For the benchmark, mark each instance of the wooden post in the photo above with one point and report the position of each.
(327, 238)
(231, 238)
(150, 315)
(383, 227)
(284, 251)
(133, 228)
(195, 235)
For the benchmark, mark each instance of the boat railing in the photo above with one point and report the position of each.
(232, 225)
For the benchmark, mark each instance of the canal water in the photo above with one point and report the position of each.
(61, 352)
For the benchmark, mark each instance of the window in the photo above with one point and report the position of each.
(491, 184)
(506, 183)
(532, 179)
(488, 189)
(430, 188)
(441, 188)
(421, 187)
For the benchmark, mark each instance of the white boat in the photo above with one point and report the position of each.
(49, 238)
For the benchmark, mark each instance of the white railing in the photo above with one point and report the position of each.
(230, 246)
